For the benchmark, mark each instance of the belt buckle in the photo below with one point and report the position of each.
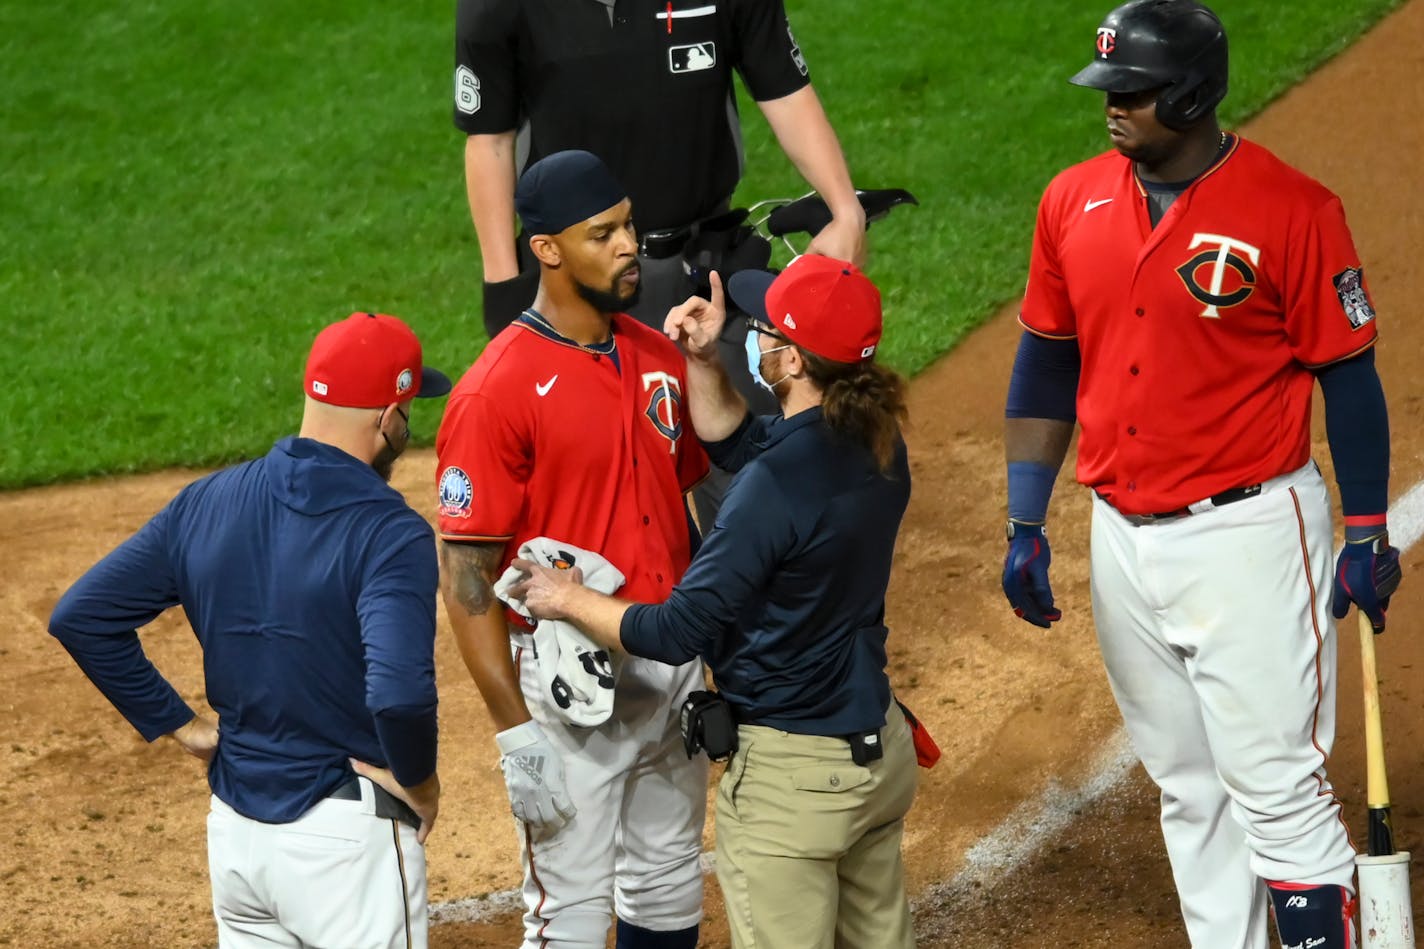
(1142, 520)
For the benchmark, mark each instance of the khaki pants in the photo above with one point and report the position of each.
(808, 842)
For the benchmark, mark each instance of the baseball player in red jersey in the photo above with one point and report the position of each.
(570, 426)
(1185, 292)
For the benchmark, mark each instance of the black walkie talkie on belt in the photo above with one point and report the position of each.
(865, 747)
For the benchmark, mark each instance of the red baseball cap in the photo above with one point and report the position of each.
(821, 304)
(368, 361)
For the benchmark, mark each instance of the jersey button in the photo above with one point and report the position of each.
(1134, 370)
(1141, 311)
(660, 578)
(645, 519)
(1132, 486)
(1132, 430)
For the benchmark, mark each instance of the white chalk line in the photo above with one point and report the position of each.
(1019, 836)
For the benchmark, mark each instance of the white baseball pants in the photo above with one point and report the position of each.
(1219, 645)
(338, 877)
(634, 848)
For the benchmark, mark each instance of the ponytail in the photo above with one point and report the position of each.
(863, 402)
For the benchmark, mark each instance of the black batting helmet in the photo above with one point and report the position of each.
(1178, 46)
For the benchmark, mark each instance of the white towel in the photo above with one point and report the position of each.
(575, 673)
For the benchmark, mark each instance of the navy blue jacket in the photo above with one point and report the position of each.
(786, 599)
(310, 584)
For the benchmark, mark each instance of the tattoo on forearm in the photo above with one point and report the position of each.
(468, 574)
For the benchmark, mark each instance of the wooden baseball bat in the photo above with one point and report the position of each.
(1381, 835)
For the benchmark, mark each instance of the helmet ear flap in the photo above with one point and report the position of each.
(1185, 102)
(1179, 104)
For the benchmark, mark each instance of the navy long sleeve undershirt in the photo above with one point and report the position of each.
(1357, 427)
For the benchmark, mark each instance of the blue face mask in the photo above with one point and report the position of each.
(754, 354)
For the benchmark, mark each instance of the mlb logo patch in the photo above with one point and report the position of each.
(1350, 288)
(694, 57)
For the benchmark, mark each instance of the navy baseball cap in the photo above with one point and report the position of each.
(564, 188)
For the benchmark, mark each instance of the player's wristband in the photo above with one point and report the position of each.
(1030, 487)
(1362, 527)
(520, 736)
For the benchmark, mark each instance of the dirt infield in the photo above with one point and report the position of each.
(103, 836)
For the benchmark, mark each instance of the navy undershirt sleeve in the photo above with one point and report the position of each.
(1357, 427)
(1044, 382)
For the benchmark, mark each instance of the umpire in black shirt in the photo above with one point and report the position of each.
(786, 603)
(646, 85)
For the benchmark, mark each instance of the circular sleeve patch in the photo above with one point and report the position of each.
(456, 493)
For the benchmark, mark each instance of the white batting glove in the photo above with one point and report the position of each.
(534, 778)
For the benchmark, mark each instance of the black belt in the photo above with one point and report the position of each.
(864, 746)
(388, 806)
(1217, 500)
(665, 243)
(670, 241)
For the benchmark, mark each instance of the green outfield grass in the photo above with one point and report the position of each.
(190, 190)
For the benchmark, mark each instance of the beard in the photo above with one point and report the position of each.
(385, 462)
(610, 300)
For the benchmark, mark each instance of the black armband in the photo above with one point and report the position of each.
(505, 300)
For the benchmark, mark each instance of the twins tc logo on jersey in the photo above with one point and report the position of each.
(456, 493)
(1219, 276)
(1350, 288)
(664, 406)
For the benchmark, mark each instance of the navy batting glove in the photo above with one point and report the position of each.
(1026, 575)
(1367, 574)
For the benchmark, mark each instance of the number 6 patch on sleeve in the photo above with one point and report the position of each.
(467, 90)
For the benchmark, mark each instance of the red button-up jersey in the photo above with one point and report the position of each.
(1198, 337)
(544, 438)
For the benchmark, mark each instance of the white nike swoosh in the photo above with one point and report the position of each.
(543, 389)
(1089, 205)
